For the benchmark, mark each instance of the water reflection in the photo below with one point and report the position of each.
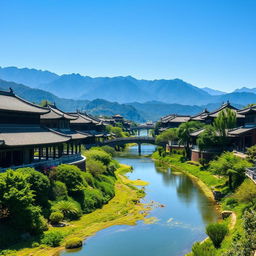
(179, 224)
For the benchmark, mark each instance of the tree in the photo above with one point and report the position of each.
(70, 210)
(217, 233)
(166, 136)
(225, 120)
(184, 131)
(208, 138)
(231, 166)
(95, 167)
(39, 183)
(16, 199)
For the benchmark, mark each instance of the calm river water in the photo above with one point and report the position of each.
(179, 224)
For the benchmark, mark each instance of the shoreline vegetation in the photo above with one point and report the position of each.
(123, 209)
(235, 203)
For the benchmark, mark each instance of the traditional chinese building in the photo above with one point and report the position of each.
(24, 142)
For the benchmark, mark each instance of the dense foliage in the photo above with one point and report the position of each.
(184, 131)
(231, 166)
(170, 135)
(29, 199)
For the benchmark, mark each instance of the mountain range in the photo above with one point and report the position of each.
(139, 99)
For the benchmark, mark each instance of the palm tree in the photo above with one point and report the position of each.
(184, 134)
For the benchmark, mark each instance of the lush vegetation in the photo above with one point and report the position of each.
(29, 199)
(234, 236)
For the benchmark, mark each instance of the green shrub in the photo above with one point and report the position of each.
(111, 151)
(72, 177)
(93, 199)
(73, 243)
(69, 209)
(113, 166)
(35, 244)
(203, 249)
(59, 191)
(95, 167)
(98, 155)
(56, 217)
(89, 178)
(216, 232)
(52, 238)
(39, 184)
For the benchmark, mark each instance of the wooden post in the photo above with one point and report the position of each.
(39, 153)
(67, 148)
(47, 153)
(54, 152)
(72, 148)
(139, 148)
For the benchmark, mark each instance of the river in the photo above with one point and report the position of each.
(178, 225)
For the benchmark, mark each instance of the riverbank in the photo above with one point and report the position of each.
(204, 179)
(123, 209)
(208, 182)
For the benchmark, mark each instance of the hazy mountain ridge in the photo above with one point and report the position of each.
(30, 77)
(245, 89)
(160, 97)
(95, 107)
(212, 91)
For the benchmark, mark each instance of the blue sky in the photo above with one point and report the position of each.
(205, 42)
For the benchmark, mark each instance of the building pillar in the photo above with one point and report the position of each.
(76, 148)
(47, 153)
(39, 153)
(54, 152)
(139, 148)
(67, 148)
(80, 148)
(72, 148)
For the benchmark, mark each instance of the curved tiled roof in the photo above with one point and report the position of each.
(11, 102)
(201, 116)
(84, 119)
(225, 106)
(34, 135)
(251, 109)
(56, 113)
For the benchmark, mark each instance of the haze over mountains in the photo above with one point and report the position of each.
(141, 99)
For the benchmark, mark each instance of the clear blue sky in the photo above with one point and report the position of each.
(205, 42)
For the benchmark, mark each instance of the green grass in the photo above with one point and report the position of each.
(123, 209)
(174, 160)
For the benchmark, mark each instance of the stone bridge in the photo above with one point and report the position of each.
(122, 141)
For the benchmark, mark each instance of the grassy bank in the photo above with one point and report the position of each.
(123, 209)
(242, 198)
(204, 179)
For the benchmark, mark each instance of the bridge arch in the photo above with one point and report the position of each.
(138, 140)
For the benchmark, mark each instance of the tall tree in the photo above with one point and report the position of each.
(184, 134)
(225, 120)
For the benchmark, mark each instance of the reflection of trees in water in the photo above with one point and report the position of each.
(188, 192)
(166, 173)
(207, 208)
(185, 189)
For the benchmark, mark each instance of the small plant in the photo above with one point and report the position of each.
(70, 210)
(56, 217)
(35, 244)
(52, 238)
(216, 232)
(74, 243)
(203, 249)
